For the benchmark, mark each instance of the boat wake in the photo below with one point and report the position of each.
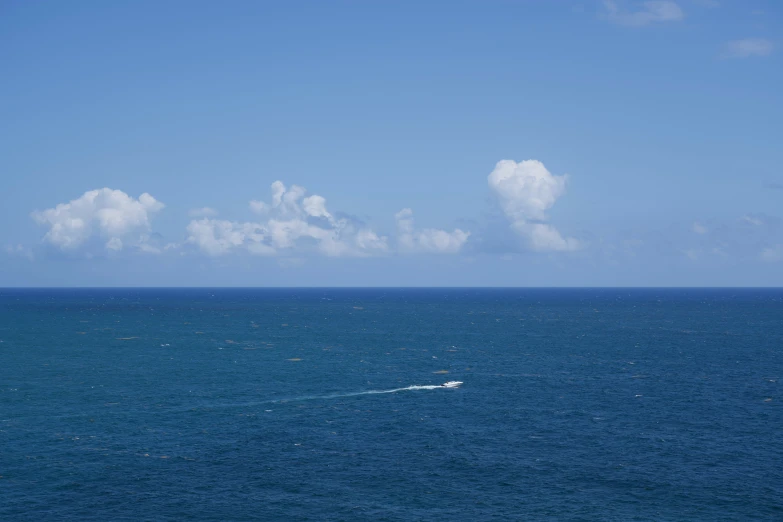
(445, 386)
(356, 394)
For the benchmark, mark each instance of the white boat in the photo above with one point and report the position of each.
(452, 384)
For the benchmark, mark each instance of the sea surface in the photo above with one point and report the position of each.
(323, 404)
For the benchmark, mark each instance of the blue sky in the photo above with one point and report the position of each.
(461, 143)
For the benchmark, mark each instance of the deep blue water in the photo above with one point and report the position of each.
(231, 404)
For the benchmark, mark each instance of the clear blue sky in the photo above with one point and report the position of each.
(664, 117)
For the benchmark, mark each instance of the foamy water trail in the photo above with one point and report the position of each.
(323, 397)
(355, 394)
(254, 403)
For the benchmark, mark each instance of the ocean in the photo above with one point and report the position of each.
(324, 404)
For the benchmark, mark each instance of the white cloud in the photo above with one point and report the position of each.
(698, 228)
(216, 237)
(115, 244)
(748, 48)
(110, 215)
(292, 223)
(202, 212)
(526, 190)
(434, 240)
(545, 238)
(772, 254)
(149, 248)
(259, 207)
(651, 11)
(756, 222)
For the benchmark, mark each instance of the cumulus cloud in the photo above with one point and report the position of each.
(525, 191)
(432, 240)
(747, 48)
(202, 212)
(291, 223)
(111, 216)
(544, 237)
(698, 228)
(651, 11)
(216, 237)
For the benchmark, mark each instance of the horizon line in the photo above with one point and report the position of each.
(401, 287)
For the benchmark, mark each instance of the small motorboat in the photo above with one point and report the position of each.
(452, 384)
